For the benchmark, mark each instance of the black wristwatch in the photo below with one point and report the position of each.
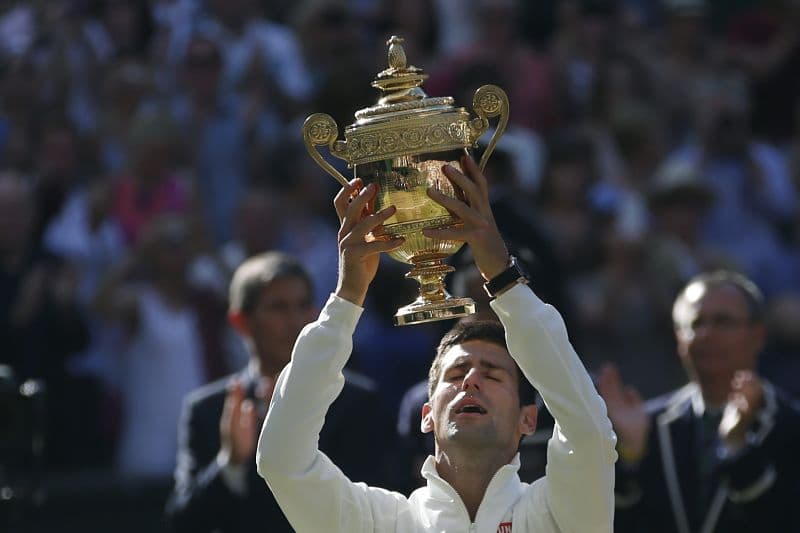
(506, 279)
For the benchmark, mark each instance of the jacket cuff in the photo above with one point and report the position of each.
(342, 312)
(627, 491)
(234, 476)
(748, 471)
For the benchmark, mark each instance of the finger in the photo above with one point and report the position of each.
(455, 206)
(609, 382)
(369, 249)
(365, 249)
(355, 210)
(603, 376)
(461, 181)
(383, 246)
(471, 167)
(233, 400)
(343, 197)
(369, 223)
(742, 376)
(265, 388)
(632, 396)
(247, 418)
(447, 234)
(739, 401)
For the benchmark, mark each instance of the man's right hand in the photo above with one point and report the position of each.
(626, 412)
(237, 426)
(358, 255)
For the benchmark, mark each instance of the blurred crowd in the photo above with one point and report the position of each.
(148, 147)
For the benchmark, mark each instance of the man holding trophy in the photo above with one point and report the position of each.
(478, 410)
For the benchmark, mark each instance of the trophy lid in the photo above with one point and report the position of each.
(405, 120)
(401, 90)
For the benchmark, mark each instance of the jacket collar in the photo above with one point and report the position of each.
(502, 493)
(688, 400)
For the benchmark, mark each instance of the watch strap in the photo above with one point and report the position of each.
(513, 275)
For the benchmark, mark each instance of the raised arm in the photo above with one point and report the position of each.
(581, 455)
(312, 492)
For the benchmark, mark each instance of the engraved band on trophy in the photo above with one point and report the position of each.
(401, 144)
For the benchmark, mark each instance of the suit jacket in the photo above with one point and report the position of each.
(751, 490)
(201, 501)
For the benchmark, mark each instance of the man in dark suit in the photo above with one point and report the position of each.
(719, 454)
(216, 487)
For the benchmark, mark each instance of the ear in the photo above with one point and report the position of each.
(238, 322)
(426, 424)
(527, 419)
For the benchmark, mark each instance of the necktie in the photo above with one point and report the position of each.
(707, 457)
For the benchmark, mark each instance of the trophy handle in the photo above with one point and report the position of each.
(489, 101)
(320, 129)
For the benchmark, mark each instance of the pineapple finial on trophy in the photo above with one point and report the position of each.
(397, 55)
(400, 81)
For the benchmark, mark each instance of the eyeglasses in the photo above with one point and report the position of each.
(720, 322)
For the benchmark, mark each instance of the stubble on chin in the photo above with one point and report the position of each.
(471, 435)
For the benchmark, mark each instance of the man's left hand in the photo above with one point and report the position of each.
(479, 229)
(745, 400)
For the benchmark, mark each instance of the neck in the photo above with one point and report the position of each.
(469, 474)
(715, 393)
(261, 367)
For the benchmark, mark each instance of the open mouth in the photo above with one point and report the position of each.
(470, 408)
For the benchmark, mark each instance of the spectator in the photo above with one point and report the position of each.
(216, 486)
(254, 46)
(173, 342)
(216, 137)
(715, 455)
(754, 194)
(152, 186)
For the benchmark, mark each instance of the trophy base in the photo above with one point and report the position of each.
(421, 311)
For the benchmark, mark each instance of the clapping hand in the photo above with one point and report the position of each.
(744, 401)
(626, 412)
(238, 426)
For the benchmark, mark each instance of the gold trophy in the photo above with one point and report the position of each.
(401, 144)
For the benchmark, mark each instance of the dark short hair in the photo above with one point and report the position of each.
(259, 271)
(754, 299)
(477, 330)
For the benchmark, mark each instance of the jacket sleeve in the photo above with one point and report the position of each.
(579, 482)
(313, 492)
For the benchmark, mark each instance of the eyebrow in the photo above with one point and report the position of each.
(463, 363)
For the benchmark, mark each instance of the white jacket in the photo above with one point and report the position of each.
(575, 496)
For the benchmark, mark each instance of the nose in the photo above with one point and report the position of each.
(472, 380)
